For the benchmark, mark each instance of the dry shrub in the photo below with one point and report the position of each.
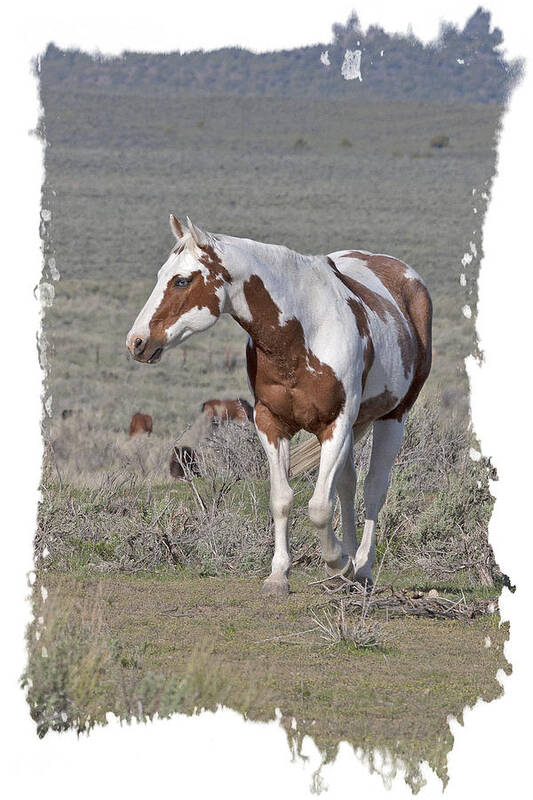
(68, 666)
(216, 522)
(83, 451)
(335, 626)
(136, 517)
(439, 141)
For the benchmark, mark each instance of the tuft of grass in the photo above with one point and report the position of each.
(335, 628)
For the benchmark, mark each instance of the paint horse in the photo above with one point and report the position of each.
(337, 343)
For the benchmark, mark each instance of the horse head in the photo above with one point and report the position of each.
(188, 297)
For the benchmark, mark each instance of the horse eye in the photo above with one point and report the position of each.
(180, 283)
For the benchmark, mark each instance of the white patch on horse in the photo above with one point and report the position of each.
(191, 322)
(411, 274)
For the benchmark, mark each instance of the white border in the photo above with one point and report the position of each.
(217, 754)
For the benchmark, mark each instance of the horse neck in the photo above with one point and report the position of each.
(271, 274)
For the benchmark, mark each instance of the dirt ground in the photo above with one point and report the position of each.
(176, 642)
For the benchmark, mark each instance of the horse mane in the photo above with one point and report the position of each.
(268, 252)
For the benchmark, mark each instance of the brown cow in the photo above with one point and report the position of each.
(141, 423)
(182, 461)
(224, 410)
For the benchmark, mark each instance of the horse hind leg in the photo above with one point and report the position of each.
(346, 486)
(386, 442)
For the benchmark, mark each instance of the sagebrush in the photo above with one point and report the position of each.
(137, 517)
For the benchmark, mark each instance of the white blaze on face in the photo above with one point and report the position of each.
(141, 326)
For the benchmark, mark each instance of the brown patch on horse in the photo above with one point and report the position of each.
(385, 310)
(361, 319)
(356, 254)
(212, 261)
(140, 423)
(175, 302)
(420, 310)
(363, 327)
(294, 390)
(201, 293)
(376, 407)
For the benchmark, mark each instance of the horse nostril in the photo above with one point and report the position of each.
(138, 346)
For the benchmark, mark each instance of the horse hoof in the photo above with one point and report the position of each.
(340, 575)
(279, 589)
(337, 579)
(363, 580)
(365, 583)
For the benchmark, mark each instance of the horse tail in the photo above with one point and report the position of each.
(304, 456)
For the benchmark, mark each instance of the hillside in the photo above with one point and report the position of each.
(462, 66)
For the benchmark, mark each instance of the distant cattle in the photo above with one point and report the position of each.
(183, 460)
(66, 413)
(140, 423)
(224, 410)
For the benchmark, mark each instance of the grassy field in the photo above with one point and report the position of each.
(153, 603)
(143, 644)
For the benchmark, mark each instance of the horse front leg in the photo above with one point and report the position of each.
(276, 447)
(333, 459)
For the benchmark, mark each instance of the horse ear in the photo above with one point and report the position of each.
(176, 227)
(199, 237)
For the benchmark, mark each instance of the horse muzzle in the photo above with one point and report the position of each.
(144, 350)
